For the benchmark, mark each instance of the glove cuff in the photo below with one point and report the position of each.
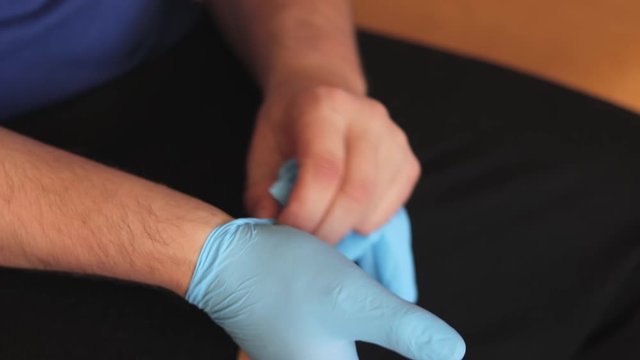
(221, 245)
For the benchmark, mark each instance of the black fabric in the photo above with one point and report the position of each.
(526, 229)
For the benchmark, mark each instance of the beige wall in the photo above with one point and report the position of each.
(590, 45)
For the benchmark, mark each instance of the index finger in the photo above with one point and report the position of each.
(321, 157)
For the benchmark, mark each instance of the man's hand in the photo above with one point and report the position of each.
(284, 295)
(356, 166)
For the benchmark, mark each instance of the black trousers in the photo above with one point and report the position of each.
(526, 221)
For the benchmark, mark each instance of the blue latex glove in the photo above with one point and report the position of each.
(385, 254)
(282, 294)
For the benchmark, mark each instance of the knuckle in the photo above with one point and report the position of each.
(415, 168)
(400, 136)
(358, 193)
(326, 168)
(349, 300)
(379, 127)
(379, 109)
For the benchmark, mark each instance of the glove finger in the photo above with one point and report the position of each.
(377, 316)
(417, 334)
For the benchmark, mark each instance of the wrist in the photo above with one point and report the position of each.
(187, 240)
(222, 257)
(296, 78)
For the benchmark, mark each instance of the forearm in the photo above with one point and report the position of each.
(62, 212)
(290, 42)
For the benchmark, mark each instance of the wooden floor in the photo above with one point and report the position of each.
(589, 45)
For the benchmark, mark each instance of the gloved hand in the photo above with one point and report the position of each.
(385, 254)
(282, 294)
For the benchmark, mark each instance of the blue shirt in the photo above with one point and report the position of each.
(53, 49)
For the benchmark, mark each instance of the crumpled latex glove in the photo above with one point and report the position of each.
(283, 294)
(385, 254)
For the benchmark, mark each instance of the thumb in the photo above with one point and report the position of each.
(408, 329)
(418, 334)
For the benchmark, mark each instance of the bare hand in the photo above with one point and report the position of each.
(356, 167)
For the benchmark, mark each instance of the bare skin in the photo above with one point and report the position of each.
(63, 212)
(356, 166)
